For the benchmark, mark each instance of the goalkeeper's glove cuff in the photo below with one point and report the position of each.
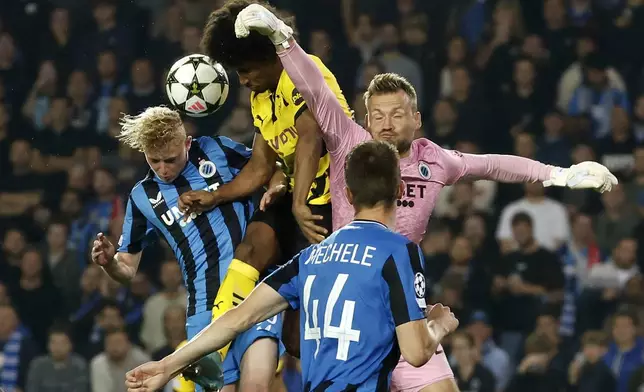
(282, 34)
(558, 177)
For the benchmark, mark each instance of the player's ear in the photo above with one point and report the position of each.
(418, 120)
(349, 195)
(188, 142)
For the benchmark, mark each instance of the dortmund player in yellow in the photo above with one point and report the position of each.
(298, 212)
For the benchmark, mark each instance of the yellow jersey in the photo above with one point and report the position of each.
(274, 116)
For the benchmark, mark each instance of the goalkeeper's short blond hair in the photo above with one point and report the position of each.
(391, 83)
(154, 128)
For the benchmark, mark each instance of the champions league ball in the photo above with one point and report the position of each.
(196, 85)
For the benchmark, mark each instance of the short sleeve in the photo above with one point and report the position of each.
(137, 231)
(285, 281)
(405, 280)
(237, 154)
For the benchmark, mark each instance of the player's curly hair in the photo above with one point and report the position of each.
(152, 129)
(221, 45)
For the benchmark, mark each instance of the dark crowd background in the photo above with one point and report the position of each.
(547, 284)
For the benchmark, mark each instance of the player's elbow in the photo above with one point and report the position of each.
(416, 356)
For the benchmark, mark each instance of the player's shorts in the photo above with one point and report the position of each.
(279, 217)
(271, 328)
(406, 378)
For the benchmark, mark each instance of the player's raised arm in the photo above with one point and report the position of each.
(303, 71)
(122, 266)
(510, 168)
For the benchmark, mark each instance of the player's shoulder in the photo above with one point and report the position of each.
(374, 232)
(139, 188)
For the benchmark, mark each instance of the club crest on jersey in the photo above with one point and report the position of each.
(207, 169)
(423, 170)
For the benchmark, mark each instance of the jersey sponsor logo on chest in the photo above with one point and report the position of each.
(279, 141)
(411, 192)
(173, 215)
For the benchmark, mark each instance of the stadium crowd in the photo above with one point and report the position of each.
(548, 285)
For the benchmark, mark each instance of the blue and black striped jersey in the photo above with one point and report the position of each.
(353, 289)
(204, 246)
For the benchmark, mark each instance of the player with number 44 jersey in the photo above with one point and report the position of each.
(361, 295)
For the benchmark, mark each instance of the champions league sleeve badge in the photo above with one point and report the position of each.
(207, 169)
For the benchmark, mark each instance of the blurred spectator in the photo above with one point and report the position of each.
(341, 61)
(457, 53)
(362, 34)
(38, 101)
(548, 325)
(549, 219)
(21, 188)
(626, 352)
(616, 271)
(395, 61)
(615, 151)
(554, 146)
(18, 350)
(468, 372)
(492, 357)
(59, 44)
(588, 373)
(593, 101)
(61, 369)
(143, 92)
(574, 75)
(476, 230)
(638, 119)
(107, 86)
(88, 306)
(468, 104)
(83, 112)
(153, 334)
(35, 290)
(109, 318)
(13, 247)
(534, 372)
(64, 268)
(109, 34)
(617, 220)
(578, 256)
(120, 356)
(523, 280)
(174, 330)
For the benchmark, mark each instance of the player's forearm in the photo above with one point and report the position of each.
(119, 270)
(252, 177)
(307, 158)
(436, 335)
(209, 340)
(506, 168)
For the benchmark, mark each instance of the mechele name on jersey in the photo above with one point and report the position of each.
(342, 253)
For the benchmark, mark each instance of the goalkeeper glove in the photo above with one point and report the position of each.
(256, 17)
(585, 175)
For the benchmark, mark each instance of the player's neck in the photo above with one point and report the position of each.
(386, 216)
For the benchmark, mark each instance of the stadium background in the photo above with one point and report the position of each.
(561, 81)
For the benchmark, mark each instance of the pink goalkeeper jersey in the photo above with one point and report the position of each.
(425, 171)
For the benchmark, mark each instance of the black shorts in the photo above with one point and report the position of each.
(279, 217)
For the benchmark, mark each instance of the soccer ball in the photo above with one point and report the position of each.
(196, 85)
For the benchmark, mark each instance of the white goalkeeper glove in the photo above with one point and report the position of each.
(256, 17)
(585, 175)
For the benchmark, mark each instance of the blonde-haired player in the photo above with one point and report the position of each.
(202, 243)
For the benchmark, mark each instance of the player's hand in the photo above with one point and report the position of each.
(442, 316)
(257, 18)
(306, 220)
(103, 250)
(196, 202)
(149, 377)
(273, 193)
(585, 175)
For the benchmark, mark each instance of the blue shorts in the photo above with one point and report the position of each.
(271, 328)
